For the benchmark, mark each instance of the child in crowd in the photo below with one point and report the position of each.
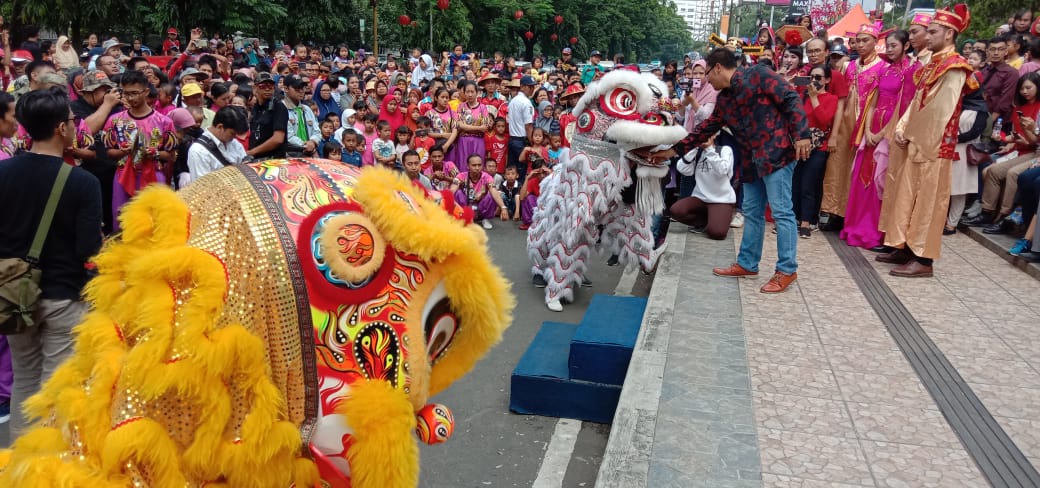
(441, 173)
(422, 142)
(351, 155)
(529, 195)
(370, 135)
(360, 115)
(332, 150)
(497, 143)
(491, 168)
(510, 191)
(334, 118)
(413, 168)
(383, 149)
(537, 151)
(476, 189)
(164, 104)
(327, 130)
(404, 142)
(555, 149)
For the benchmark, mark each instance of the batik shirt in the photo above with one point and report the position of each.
(765, 115)
(22, 142)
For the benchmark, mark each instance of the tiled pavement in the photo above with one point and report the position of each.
(837, 403)
(834, 401)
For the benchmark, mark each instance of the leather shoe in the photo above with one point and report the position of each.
(779, 282)
(882, 249)
(899, 256)
(734, 271)
(980, 220)
(913, 269)
(1005, 226)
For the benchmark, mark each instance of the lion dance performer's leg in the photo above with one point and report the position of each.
(627, 233)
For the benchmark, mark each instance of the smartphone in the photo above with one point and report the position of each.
(801, 81)
(695, 83)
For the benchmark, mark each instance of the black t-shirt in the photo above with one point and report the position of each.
(268, 118)
(75, 232)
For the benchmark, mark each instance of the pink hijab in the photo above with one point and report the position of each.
(396, 119)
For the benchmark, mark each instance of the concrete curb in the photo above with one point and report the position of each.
(1000, 244)
(626, 461)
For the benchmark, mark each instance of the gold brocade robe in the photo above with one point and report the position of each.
(917, 191)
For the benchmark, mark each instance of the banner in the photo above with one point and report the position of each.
(799, 6)
(778, 3)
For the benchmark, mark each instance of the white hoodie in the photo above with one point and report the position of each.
(714, 170)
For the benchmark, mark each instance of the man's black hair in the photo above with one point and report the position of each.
(41, 111)
(208, 60)
(35, 65)
(132, 77)
(233, 118)
(721, 56)
(134, 60)
(5, 101)
(410, 152)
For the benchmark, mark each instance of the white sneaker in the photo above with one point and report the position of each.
(555, 305)
(738, 221)
(485, 224)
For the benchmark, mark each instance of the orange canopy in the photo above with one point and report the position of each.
(849, 23)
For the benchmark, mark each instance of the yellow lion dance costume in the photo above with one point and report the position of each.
(273, 325)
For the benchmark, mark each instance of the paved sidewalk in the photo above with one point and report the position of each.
(837, 389)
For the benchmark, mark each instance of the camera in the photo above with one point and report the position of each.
(537, 163)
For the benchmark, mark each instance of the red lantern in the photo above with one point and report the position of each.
(519, 14)
(559, 19)
(404, 20)
(443, 4)
(529, 35)
(554, 37)
(574, 40)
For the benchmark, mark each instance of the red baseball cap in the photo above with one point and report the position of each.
(171, 30)
(21, 56)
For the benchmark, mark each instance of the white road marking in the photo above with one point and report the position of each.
(627, 282)
(558, 454)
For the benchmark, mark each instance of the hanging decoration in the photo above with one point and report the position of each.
(574, 40)
(529, 35)
(554, 37)
(519, 14)
(443, 4)
(404, 20)
(558, 19)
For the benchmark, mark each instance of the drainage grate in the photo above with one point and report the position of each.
(997, 456)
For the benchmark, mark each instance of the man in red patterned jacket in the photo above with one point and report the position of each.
(766, 116)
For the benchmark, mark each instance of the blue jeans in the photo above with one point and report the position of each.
(775, 189)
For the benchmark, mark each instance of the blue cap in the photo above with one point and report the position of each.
(528, 80)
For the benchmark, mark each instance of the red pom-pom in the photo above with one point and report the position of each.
(793, 38)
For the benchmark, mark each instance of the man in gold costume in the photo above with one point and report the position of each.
(917, 192)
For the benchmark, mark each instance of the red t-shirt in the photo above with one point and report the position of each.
(497, 147)
(422, 146)
(534, 186)
(822, 117)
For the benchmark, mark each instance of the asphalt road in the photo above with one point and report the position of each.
(491, 446)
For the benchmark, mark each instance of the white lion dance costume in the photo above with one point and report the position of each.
(581, 202)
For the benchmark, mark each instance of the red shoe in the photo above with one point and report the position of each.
(734, 270)
(779, 282)
(524, 226)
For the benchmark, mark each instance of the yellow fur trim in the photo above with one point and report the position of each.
(478, 290)
(152, 339)
(384, 453)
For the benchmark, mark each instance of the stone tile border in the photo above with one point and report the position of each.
(686, 426)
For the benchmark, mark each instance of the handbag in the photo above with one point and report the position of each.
(817, 137)
(977, 153)
(20, 278)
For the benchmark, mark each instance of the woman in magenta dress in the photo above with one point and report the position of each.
(894, 85)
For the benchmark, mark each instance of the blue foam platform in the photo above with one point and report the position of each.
(540, 384)
(602, 345)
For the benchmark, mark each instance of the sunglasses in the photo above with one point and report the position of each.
(817, 77)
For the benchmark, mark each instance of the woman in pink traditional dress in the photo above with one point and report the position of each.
(472, 120)
(891, 88)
